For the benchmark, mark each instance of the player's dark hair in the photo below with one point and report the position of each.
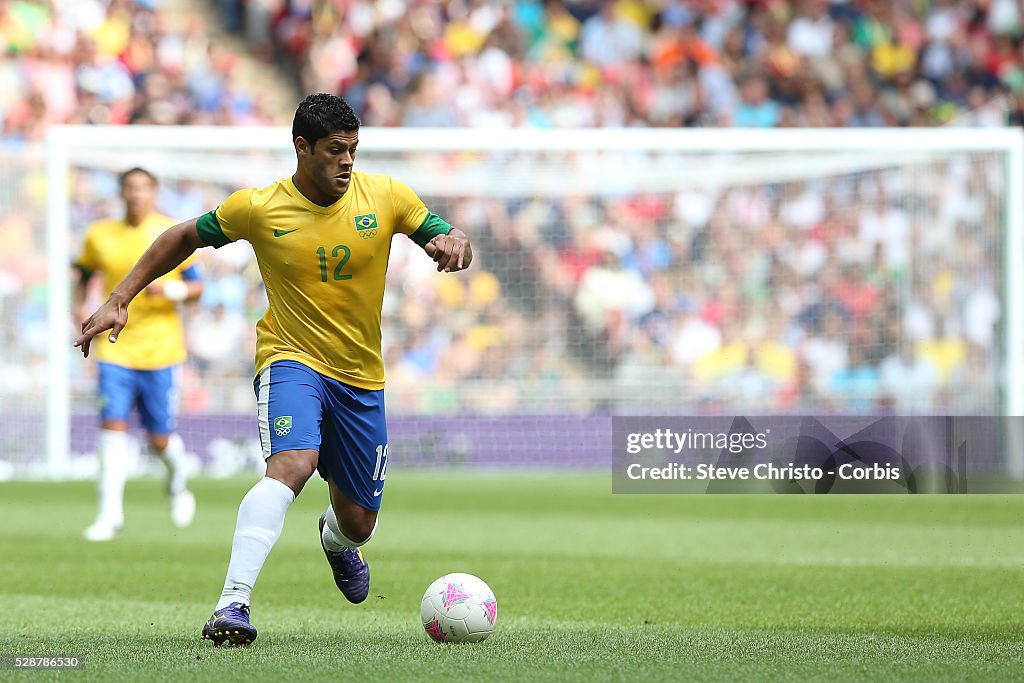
(123, 178)
(322, 114)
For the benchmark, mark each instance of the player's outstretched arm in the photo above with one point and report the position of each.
(166, 253)
(451, 252)
(81, 293)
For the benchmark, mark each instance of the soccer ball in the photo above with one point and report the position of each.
(459, 608)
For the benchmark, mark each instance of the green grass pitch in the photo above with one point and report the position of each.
(590, 586)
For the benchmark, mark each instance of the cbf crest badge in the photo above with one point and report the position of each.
(366, 225)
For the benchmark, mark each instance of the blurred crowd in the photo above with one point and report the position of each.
(114, 62)
(868, 292)
(873, 291)
(499, 63)
(753, 63)
(276, 30)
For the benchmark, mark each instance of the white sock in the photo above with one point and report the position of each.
(113, 452)
(335, 539)
(174, 458)
(260, 520)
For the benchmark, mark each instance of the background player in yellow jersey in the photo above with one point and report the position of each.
(142, 369)
(322, 239)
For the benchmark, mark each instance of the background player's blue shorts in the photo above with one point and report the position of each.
(153, 392)
(301, 409)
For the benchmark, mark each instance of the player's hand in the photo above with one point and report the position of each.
(450, 252)
(112, 315)
(155, 289)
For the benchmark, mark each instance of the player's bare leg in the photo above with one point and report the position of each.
(112, 448)
(344, 527)
(260, 520)
(171, 450)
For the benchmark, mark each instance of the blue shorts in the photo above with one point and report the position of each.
(301, 409)
(153, 392)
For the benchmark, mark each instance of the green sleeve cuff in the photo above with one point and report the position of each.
(431, 227)
(83, 273)
(209, 230)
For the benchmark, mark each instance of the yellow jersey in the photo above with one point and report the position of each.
(324, 268)
(154, 337)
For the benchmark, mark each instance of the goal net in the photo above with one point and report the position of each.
(617, 272)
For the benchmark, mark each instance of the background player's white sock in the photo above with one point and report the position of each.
(335, 539)
(260, 520)
(174, 458)
(113, 452)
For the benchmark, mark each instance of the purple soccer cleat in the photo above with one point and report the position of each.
(351, 572)
(230, 624)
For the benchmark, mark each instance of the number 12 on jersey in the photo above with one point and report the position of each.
(380, 471)
(321, 252)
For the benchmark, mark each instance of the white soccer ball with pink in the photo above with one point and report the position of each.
(459, 608)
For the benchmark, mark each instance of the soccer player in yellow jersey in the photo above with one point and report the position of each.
(322, 239)
(142, 370)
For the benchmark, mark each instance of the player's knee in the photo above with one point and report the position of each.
(159, 442)
(360, 529)
(292, 468)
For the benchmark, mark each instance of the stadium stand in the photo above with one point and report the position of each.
(809, 319)
(713, 62)
(124, 61)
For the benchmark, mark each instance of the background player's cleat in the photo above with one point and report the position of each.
(351, 572)
(230, 625)
(102, 530)
(183, 508)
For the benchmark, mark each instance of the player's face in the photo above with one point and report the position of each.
(139, 194)
(330, 162)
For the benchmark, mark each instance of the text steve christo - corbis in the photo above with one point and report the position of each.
(735, 442)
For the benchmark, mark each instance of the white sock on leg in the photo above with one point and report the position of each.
(335, 539)
(113, 452)
(260, 520)
(174, 458)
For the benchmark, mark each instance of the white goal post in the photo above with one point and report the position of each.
(538, 163)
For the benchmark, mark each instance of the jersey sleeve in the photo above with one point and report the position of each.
(412, 216)
(88, 260)
(228, 222)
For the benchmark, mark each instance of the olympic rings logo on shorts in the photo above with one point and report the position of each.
(283, 425)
